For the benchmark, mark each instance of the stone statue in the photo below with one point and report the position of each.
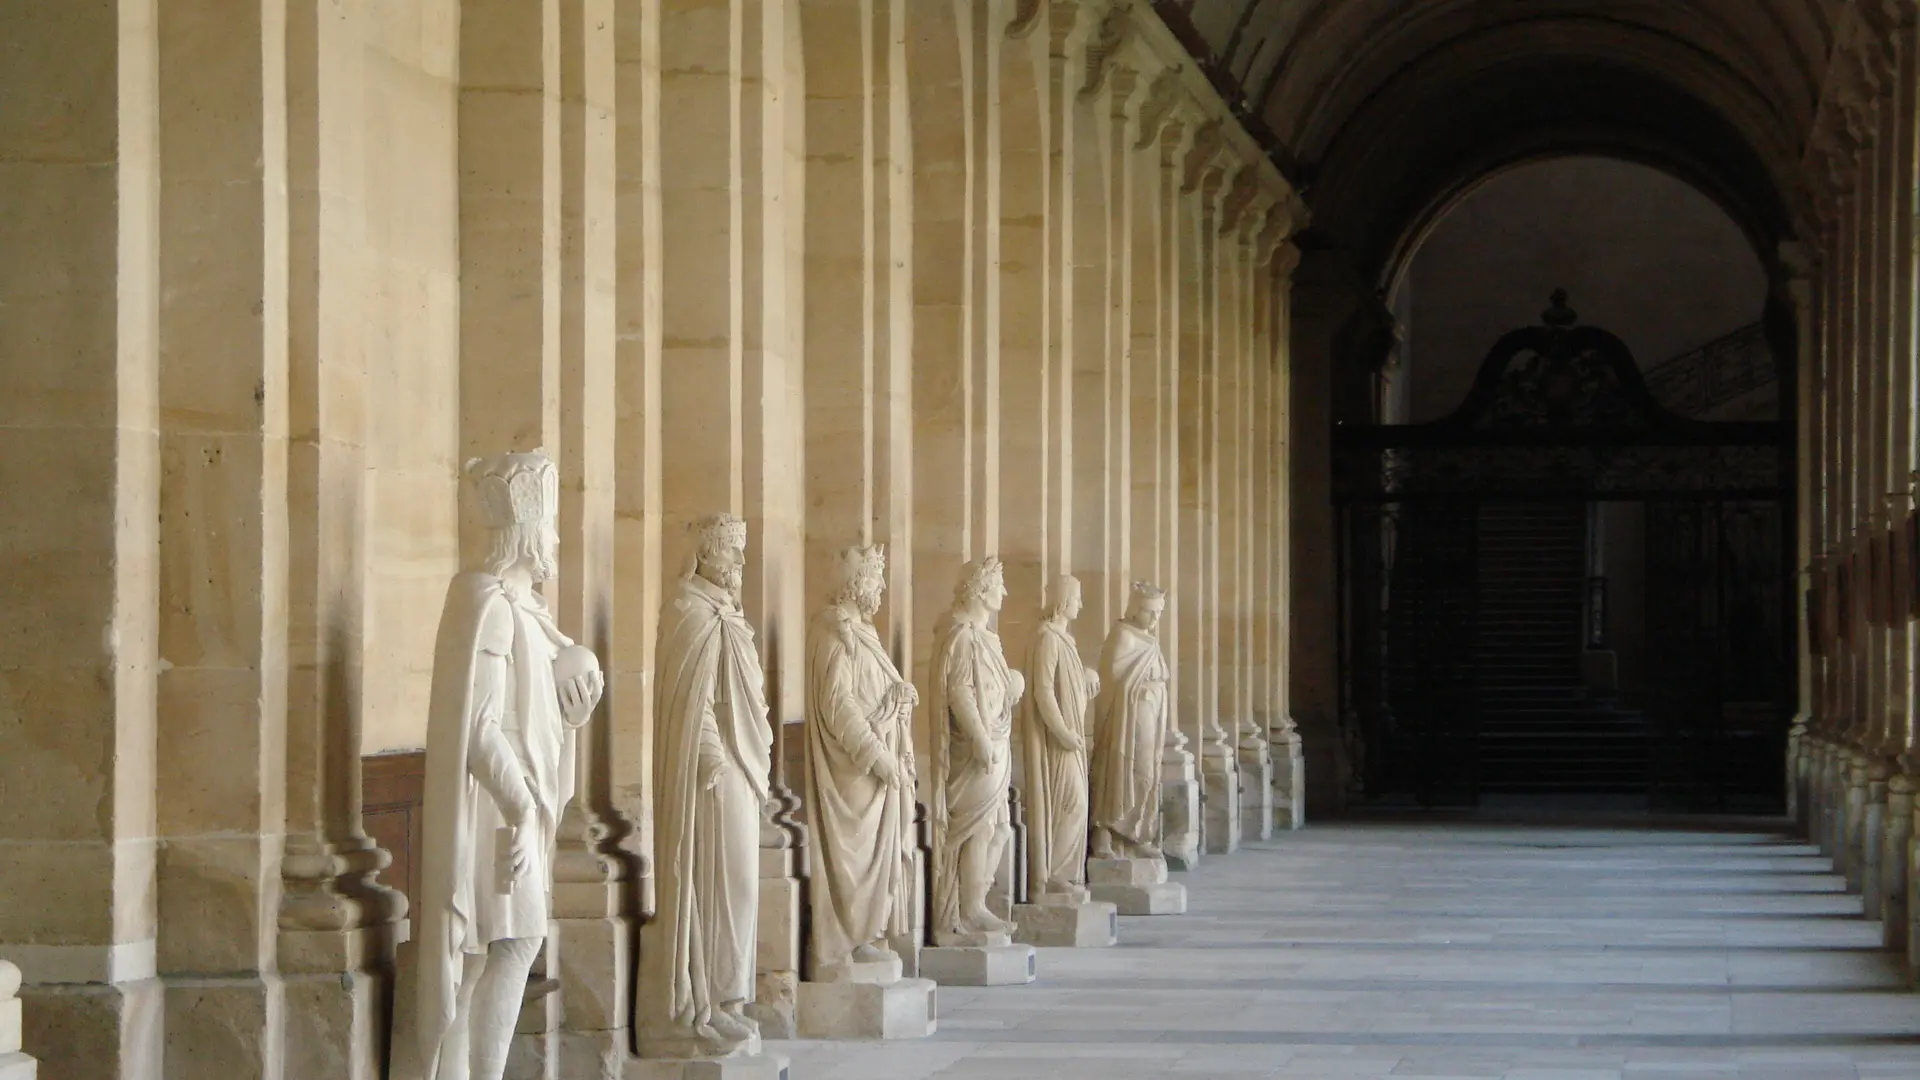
(1130, 726)
(1055, 740)
(711, 755)
(861, 776)
(509, 692)
(974, 695)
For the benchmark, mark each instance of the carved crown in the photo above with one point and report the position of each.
(516, 489)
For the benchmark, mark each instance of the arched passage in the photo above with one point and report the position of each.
(1564, 535)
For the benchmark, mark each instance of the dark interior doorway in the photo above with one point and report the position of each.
(1564, 588)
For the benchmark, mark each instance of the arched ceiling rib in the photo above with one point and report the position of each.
(1384, 101)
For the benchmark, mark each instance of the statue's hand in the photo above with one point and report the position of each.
(1016, 684)
(984, 754)
(1072, 744)
(906, 694)
(520, 850)
(1093, 683)
(581, 694)
(886, 769)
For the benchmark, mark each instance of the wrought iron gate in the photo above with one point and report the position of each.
(1559, 416)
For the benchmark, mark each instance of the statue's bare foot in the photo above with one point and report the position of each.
(871, 953)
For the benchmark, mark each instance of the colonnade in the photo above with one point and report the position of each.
(962, 277)
(1851, 764)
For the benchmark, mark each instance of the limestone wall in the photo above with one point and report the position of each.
(965, 277)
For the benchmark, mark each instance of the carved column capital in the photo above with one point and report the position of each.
(1202, 169)
(1103, 49)
(1063, 17)
(1026, 16)
(1158, 107)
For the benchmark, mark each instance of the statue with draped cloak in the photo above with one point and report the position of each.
(860, 776)
(509, 693)
(711, 756)
(1130, 726)
(973, 696)
(1054, 740)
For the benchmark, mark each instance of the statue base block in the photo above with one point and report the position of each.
(979, 965)
(1126, 871)
(1166, 898)
(739, 1067)
(17, 1067)
(871, 972)
(901, 1009)
(1091, 924)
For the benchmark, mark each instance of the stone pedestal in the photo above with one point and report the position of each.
(1854, 824)
(1221, 775)
(1072, 921)
(752, 1065)
(589, 948)
(776, 957)
(1256, 792)
(1289, 781)
(536, 1046)
(1179, 805)
(1896, 863)
(1819, 803)
(1913, 897)
(979, 960)
(1136, 886)
(1873, 835)
(1796, 772)
(859, 1009)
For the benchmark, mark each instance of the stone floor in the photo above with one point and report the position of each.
(1353, 951)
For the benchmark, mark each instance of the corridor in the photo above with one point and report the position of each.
(1355, 951)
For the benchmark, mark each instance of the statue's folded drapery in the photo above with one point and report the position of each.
(1130, 726)
(862, 825)
(711, 717)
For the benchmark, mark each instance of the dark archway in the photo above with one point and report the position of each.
(1474, 611)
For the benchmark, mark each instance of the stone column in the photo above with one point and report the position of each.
(594, 932)
(729, 121)
(1796, 261)
(1093, 510)
(1290, 767)
(952, 236)
(1166, 133)
(337, 927)
(223, 575)
(1872, 440)
(636, 575)
(771, 174)
(511, 330)
(1201, 405)
(1240, 226)
(1110, 92)
(1029, 449)
(860, 310)
(79, 457)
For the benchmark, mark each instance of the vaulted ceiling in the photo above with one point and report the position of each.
(1386, 109)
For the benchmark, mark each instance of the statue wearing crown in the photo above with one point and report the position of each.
(509, 693)
(711, 754)
(861, 777)
(974, 694)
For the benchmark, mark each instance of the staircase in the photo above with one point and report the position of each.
(1540, 730)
